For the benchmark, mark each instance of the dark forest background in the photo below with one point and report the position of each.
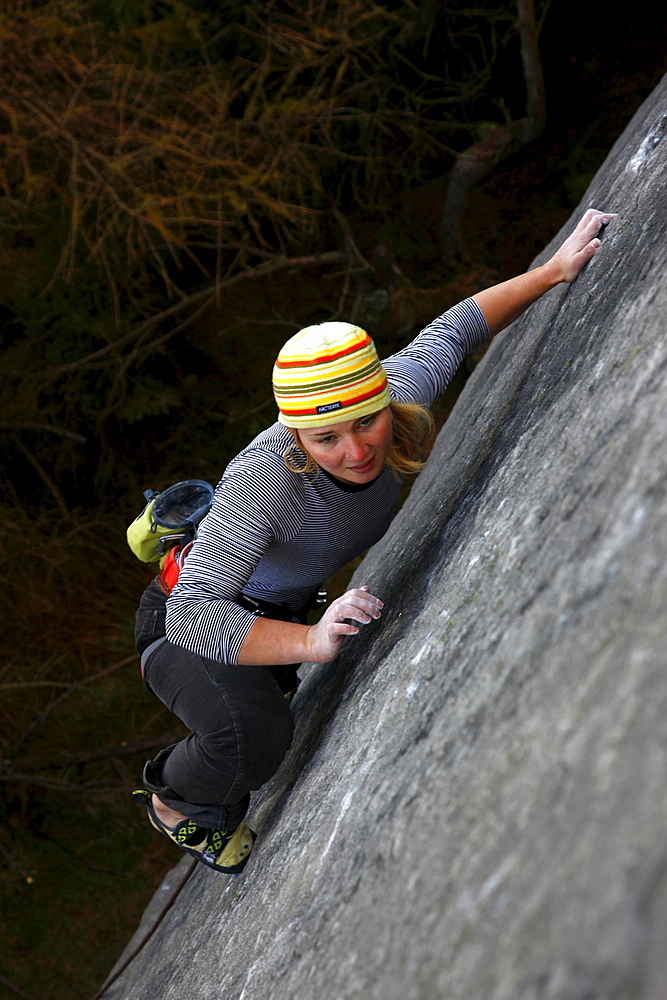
(184, 184)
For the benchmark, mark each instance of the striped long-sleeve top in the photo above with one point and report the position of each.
(274, 534)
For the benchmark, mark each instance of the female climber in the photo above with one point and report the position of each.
(305, 497)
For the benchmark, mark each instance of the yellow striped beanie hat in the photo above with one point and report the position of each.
(328, 373)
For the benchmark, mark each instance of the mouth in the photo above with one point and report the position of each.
(366, 467)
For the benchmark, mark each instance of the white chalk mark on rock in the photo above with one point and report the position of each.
(653, 139)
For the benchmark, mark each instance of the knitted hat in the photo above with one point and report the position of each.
(327, 374)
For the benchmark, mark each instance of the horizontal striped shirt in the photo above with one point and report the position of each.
(274, 534)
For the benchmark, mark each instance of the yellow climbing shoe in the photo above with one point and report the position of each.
(225, 852)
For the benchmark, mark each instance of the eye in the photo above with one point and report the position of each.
(367, 421)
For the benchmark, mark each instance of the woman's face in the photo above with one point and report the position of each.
(354, 451)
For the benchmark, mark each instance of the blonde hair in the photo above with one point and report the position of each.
(413, 430)
(412, 438)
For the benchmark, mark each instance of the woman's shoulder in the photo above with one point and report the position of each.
(263, 460)
(265, 448)
(258, 484)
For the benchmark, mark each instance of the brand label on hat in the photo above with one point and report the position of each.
(328, 407)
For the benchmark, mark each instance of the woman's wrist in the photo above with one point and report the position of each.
(273, 642)
(552, 273)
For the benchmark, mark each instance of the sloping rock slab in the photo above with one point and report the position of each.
(475, 807)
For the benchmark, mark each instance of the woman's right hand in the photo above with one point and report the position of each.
(325, 638)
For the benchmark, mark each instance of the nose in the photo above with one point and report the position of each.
(356, 450)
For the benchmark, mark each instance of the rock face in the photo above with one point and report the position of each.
(474, 807)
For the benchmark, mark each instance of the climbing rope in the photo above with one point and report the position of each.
(146, 938)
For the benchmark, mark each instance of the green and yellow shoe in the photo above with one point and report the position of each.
(225, 852)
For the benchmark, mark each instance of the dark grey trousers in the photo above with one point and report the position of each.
(240, 721)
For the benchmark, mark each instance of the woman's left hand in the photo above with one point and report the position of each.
(502, 304)
(580, 246)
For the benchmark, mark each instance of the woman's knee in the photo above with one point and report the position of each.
(241, 723)
(263, 743)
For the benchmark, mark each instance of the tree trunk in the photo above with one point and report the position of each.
(500, 141)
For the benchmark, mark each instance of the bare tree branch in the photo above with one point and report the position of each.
(206, 295)
(18, 990)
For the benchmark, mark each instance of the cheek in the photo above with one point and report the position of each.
(331, 458)
(387, 430)
(386, 436)
(318, 452)
(326, 457)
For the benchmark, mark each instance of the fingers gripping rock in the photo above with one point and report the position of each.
(582, 244)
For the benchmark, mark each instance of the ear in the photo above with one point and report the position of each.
(297, 439)
(300, 444)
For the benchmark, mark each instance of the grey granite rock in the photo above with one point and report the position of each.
(475, 804)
